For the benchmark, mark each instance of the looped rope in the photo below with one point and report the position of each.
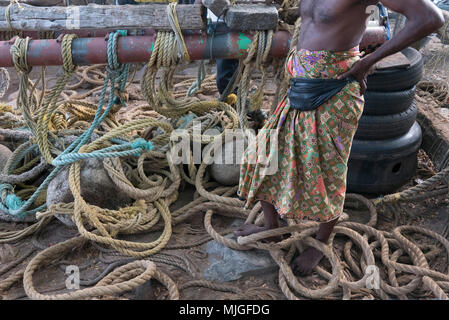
(50, 103)
(66, 48)
(28, 105)
(117, 72)
(259, 50)
(4, 81)
(19, 54)
(11, 204)
(174, 23)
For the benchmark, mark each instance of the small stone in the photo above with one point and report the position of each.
(96, 189)
(12, 218)
(218, 7)
(226, 264)
(251, 17)
(227, 159)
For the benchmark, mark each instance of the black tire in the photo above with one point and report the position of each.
(388, 126)
(383, 166)
(384, 103)
(398, 79)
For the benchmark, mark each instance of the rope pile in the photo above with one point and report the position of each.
(134, 146)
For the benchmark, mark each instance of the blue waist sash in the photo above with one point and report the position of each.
(309, 94)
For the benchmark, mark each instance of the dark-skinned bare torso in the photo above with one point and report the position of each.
(334, 25)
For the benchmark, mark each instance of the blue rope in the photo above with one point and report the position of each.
(117, 75)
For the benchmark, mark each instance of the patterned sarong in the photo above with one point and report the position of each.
(313, 146)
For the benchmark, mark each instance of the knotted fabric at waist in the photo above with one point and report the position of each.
(309, 94)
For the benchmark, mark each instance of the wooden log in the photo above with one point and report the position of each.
(48, 3)
(152, 15)
(36, 2)
(218, 7)
(251, 17)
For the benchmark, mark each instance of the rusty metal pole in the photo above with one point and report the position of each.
(228, 45)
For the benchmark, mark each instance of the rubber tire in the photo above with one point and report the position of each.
(398, 79)
(388, 126)
(384, 103)
(383, 166)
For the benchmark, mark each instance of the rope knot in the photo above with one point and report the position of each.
(11, 201)
(142, 144)
(19, 55)
(66, 51)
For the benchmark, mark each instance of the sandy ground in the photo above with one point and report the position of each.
(433, 213)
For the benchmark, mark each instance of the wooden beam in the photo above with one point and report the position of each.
(45, 3)
(152, 15)
(251, 17)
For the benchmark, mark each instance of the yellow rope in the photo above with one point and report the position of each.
(173, 19)
(46, 113)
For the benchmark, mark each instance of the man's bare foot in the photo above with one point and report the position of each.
(248, 229)
(307, 261)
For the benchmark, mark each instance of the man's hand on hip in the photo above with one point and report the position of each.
(360, 71)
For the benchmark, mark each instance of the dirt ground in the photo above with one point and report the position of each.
(190, 263)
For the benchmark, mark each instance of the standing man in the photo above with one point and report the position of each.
(314, 141)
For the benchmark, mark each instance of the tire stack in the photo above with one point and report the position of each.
(384, 152)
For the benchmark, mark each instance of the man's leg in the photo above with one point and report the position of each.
(309, 259)
(271, 222)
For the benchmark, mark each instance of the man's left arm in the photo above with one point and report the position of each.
(423, 18)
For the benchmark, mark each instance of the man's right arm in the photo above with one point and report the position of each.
(423, 18)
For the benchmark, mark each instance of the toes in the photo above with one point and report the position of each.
(239, 233)
(305, 271)
(241, 229)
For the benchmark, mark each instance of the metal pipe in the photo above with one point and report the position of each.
(223, 45)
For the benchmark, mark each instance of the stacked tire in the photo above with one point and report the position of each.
(384, 152)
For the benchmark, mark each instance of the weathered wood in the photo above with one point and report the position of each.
(251, 17)
(152, 15)
(48, 3)
(218, 7)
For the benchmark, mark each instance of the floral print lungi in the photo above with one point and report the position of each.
(312, 147)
